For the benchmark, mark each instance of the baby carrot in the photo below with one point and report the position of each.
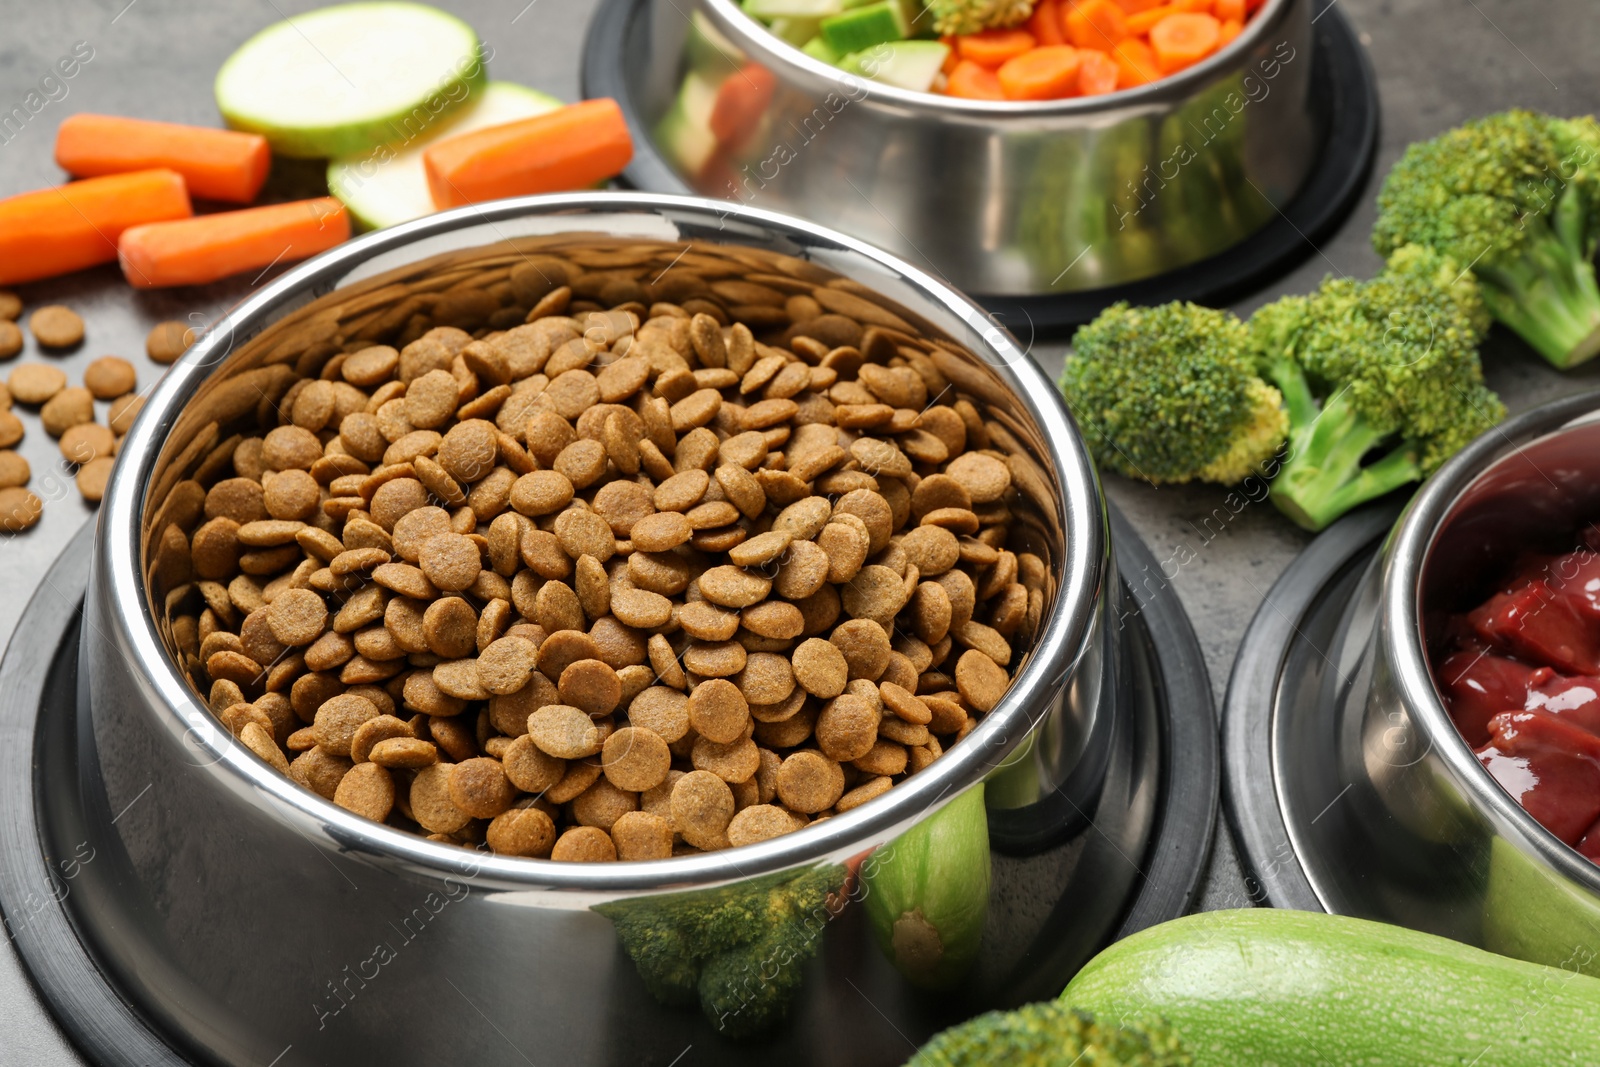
(1202, 7)
(217, 164)
(1042, 74)
(1097, 72)
(73, 226)
(210, 247)
(1183, 39)
(1140, 24)
(952, 58)
(1136, 64)
(991, 48)
(568, 148)
(1095, 23)
(741, 101)
(1226, 10)
(1230, 29)
(1133, 7)
(973, 82)
(1045, 23)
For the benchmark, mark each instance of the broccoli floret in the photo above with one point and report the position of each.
(1514, 198)
(1052, 1035)
(1171, 394)
(740, 951)
(1389, 364)
(971, 16)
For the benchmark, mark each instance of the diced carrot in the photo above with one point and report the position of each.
(1043, 74)
(742, 99)
(1184, 39)
(1228, 9)
(1045, 24)
(73, 226)
(1140, 24)
(1095, 23)
(1230, 29)
(568, 148)
(1097, 72)
(218, 164)
(1133, 7)
(951, 58)
(991, 48)
(973, 82)
(211, 247)
(1136, 64)
(1195, 6)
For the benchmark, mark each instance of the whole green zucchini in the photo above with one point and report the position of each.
(927, 893)
(1262, 987)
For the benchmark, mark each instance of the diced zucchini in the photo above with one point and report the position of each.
(817, 48)
(863, 27)
(789, 9)
(796, 31)
(684, 132)
(905, 64)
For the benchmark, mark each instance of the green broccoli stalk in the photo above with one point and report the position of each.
(740, 950)
(1052, 1035)
(1170, 394)
(1515, 198)
(1387, 366)
(971, 16)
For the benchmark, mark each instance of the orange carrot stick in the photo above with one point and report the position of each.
(991, 48)
(973, 82)
(1133, 7)
(218, 164)
(1045, 23)
(73, 226)
(204, 249)
(742, 99)
(1136, 63)
(1183, 39)
(568, 148)
(1141, 24)
(1097, 73)
(1095, 24)
(1226, 10)
(1042, 74)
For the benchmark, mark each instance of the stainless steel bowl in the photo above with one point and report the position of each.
(1422, 834)
(994, 197)
(258, 923)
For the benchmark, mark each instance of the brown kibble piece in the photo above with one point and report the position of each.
(168, 340)
(403, 753)
(337, 721)
(718, 710)
(367, 789)
(507, 664)
(809, 782)
(87, 441)
(642, 835)
(55, 326)
(847, 728)
(10, 429)
(584, 844)
(565, 732)
(10, 305)
(450, 561)
(635, 759)
(592, 685)
(479, 787)
(10, 339)
(758, 822)
(522, 832)
(984, 477)
(431, 804)
(981, 680)
(702, 807)
(110, 377)
(14, 470)
(297, 617)
(69, 407)
(34, 383)
(93, 477)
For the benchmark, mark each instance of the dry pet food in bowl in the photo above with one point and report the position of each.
(613, 582)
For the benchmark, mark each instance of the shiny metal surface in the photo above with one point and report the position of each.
(998, 198)
(254, 920)
(1401, 822)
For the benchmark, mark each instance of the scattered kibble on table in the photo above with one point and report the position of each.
(55, 326)
(19, 509)
(10, 305)
(10, 339)
(168, 341)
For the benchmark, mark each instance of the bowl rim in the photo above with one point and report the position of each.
(757, 39)
(1062, 641)
(1402, 632)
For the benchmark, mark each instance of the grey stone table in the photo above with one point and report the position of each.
(1438, 61)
